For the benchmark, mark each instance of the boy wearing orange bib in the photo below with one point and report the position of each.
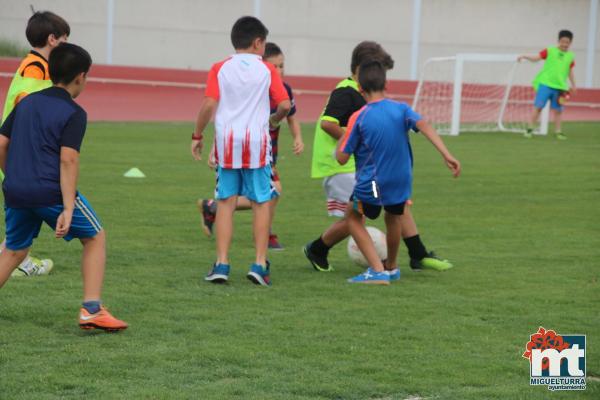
(45, 31)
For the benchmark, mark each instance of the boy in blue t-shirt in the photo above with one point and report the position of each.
(39, 154)
(377, 135)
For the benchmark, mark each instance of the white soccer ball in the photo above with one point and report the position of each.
(380, 242)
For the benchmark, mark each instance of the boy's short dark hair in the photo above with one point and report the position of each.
(43, 24)
(272, 50)
(371, 76)
(246, 30)
(370, 51)
(565, 33)
(67, 61)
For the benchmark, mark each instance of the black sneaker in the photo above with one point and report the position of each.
(318, 262)
(208, 217)
(431, 261)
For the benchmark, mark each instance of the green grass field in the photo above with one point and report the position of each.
(521, 226)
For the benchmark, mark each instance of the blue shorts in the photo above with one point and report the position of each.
(545, 94)
(254, 183)
(23, 224)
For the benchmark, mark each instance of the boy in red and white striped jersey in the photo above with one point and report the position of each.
(239, 88)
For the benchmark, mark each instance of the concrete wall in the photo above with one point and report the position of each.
(316, 35)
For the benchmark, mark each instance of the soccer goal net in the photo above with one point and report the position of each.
(477, 92)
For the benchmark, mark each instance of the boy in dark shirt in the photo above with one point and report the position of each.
(45, 30)
(39, 155)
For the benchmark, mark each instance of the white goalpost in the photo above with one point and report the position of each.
(477, 92)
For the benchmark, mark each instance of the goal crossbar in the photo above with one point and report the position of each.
(458, 82)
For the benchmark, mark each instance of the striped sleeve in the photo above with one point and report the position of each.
(212, 81)
(277, 91)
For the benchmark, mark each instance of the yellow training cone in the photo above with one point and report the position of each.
(134, 173)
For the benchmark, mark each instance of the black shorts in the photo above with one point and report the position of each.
(372, 211)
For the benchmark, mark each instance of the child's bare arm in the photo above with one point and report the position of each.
(572, 80)
(296, 132)
(333, 129)
(206, 111)
(4, 141)
(283, 108)
(529, 57)
(212, 160)
(69, 172)
(429, 132)
(341, 157)
(5, 134)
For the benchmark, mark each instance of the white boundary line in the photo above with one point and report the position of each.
(140, 82)
(186, 85)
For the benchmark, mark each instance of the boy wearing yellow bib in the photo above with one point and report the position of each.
(550, 84)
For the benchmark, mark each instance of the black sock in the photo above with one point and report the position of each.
(416, 248)
(319, 247)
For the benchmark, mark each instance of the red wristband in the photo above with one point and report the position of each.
(197, 136)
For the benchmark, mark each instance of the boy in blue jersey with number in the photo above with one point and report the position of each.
(338, 181)
(377, 136)
(39, 155)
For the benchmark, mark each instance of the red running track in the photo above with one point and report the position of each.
(116, 93)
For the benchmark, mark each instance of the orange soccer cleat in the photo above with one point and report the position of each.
(100, 320)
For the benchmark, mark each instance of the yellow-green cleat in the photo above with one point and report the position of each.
(561, 136)
(432, 261)
(32, 266)
(319, 262)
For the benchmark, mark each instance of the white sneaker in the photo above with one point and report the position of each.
(32, 266)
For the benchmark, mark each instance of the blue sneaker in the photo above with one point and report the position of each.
(259, 275)
(394, 274)
(218, 274)
(372, 277)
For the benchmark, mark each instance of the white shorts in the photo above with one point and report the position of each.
(338, 189)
